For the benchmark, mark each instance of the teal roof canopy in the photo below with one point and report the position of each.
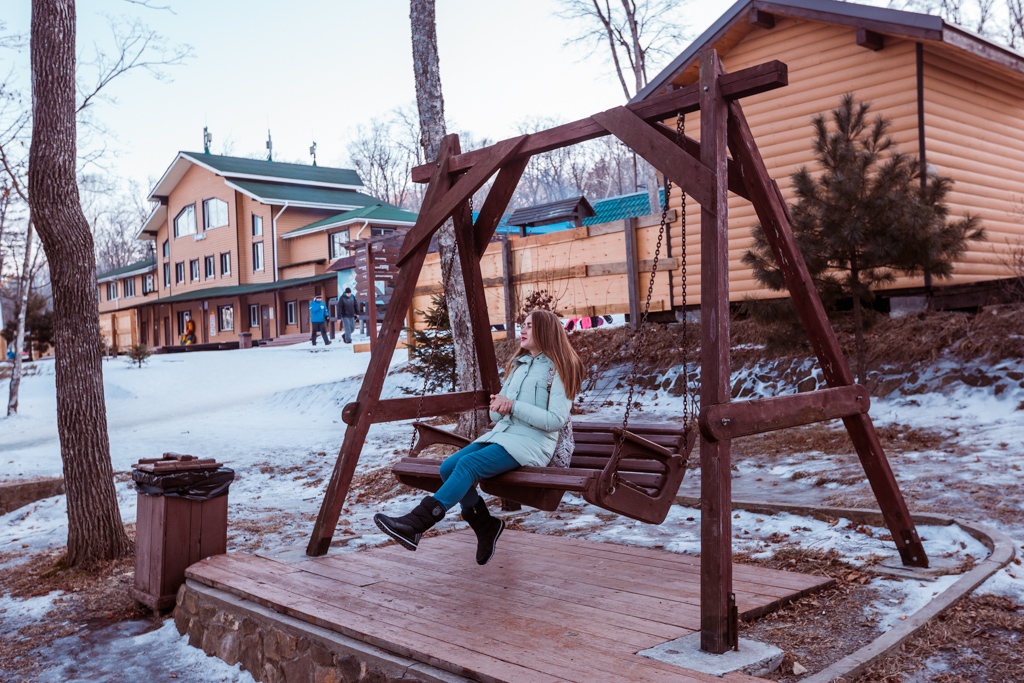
(377, 212)
(236, 166)
(146, 264)
(274, 193)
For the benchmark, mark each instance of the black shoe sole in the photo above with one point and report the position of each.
(402, 540)
(494, 543)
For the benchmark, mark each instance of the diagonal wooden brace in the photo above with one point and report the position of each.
(691, 175)
(432, 218)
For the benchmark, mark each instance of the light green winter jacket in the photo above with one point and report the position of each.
(529, 433)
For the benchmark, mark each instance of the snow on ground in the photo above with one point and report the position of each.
(273, 415)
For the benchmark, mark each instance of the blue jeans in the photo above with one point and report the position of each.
(349, 324)
(462, 471)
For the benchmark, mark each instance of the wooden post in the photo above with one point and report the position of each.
(717, 634)
(632, 273)
(371, 297)
(479, 319)
(508, 266)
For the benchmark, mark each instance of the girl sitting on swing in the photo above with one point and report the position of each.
(541, 382)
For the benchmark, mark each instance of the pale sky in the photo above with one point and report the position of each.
(314, 69)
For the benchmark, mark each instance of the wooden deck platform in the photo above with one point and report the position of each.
(545, 609)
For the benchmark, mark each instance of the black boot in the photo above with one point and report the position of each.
(408, 528)
(487, 530)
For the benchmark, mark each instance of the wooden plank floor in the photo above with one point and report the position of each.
(545, 609)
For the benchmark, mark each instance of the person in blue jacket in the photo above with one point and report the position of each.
(533, 405)
(318, 316)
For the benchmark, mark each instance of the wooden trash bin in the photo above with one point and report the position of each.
(245, 340)
(182, 518)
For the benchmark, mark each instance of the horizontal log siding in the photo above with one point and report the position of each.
(580, 267)
(973, 120)
(296, 249)
(195, 186)
(824, 62)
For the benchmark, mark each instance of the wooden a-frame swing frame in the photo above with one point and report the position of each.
(706, 173)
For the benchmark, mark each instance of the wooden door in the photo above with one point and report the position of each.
(304, 316)
(264, 322)
(167, 331)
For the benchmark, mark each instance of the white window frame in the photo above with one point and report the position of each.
(257, 225)
(229, 320)
(335, 250)
(254, 315)
(167, 249)
(193, 270)
(215, 213)
(225, 260)
(167, 275)
(209, 267)
(112, 291)
(257, 257)
(291, 312)
(179, 273)
(148, 284)
(128, 287)
(183, 228)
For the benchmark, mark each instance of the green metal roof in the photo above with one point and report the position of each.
(235, 290)
(624, 206)
(138, 265)
(274, 193)
(377, 212)
(229, 166)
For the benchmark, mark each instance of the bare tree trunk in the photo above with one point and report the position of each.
(95, 531)
(430, 102)
(19, 339)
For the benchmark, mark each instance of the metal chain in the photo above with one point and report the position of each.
(689, 399)
(639, 339)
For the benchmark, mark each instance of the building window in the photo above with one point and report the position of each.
(257, 225)
(148, 284)
(374, 232)
(111, 291)
(167, 249)
(210, 266)
(226, 316)
(225, 263)
(336, 246)
(291, 308)
(193, 266)
(254, 315)
(215, 213)
(257, 256)
(179, 272)
(185, 221)
(128, 287)
(167, 275)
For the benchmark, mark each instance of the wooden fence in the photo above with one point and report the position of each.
(601, 269)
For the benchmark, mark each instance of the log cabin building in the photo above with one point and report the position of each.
(240, 245)
(955, 99)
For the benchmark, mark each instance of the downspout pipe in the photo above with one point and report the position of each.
(273, 241)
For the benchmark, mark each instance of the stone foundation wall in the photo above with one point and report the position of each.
(276, 648)
(14, 496)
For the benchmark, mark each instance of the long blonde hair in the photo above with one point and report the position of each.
(554, 343)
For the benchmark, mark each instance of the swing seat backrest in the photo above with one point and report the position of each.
(642, 484)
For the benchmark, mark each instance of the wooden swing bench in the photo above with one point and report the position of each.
(640, 481)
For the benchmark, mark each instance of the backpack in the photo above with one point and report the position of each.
(566, 444)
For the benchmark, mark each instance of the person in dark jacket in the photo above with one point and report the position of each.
(318, 317)
(348, 307)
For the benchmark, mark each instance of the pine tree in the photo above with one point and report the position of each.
(433, 356)
(870, 213)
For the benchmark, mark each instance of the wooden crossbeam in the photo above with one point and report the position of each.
(430, 220)
(691, 175)
(391, 409)
(743, 83)
(692, 147)
(760, 415)
(479, 319)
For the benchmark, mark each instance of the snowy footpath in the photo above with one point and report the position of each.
(273, 415)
